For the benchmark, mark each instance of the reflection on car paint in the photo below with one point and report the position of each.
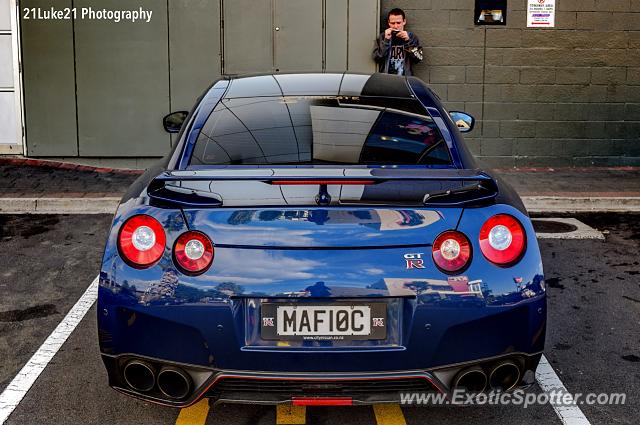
(372, 245)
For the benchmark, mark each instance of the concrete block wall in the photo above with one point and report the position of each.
(567, 96)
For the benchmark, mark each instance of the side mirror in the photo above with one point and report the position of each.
(463, 121)
(173, 122)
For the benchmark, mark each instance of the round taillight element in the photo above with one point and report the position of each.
(193, 252)
(502, 239)
(451, 251)
(141, 241)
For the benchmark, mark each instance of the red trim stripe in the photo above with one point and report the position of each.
(311, 182)
(321, 401)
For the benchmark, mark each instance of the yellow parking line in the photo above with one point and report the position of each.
(289, 414)
(194, 415)
(389, 414)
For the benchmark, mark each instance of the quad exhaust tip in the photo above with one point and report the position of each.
(472, 380)
(140, 375)
(504, 376)
(174, 382)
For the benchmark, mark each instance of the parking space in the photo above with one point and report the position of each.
(46, 263)
(593, 339)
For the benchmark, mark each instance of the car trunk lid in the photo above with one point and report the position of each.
(273, 239)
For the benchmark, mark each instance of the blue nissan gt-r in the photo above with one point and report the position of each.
(319, 239)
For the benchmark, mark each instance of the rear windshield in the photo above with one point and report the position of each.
(295, 130)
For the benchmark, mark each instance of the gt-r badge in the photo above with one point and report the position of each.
(414, 261)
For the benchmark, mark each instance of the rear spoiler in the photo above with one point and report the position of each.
(481, 188)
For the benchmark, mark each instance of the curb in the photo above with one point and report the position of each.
(58, 205)
(66, 166)
(592, 169)
(108, 205)
(560, 204)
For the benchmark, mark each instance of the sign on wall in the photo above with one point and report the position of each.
(541, 13)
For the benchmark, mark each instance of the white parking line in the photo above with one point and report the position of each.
(583, 231)
(18, 388)
(549, 381)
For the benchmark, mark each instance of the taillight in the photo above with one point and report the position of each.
(451, 251)
(193, 252)
(502, 239)
(141, 241)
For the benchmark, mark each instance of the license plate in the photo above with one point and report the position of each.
(324, 322)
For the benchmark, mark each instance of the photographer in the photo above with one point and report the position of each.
(396, 49)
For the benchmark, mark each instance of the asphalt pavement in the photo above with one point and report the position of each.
(47, 261)
(593, 340)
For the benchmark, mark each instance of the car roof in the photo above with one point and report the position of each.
(319, 84)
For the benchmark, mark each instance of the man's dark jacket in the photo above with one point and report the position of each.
(412, 53)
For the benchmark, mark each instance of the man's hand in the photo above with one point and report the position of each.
(387, 34)
(403, 35)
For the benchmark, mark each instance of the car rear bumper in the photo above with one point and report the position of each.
(259, 387)
(220, 336)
